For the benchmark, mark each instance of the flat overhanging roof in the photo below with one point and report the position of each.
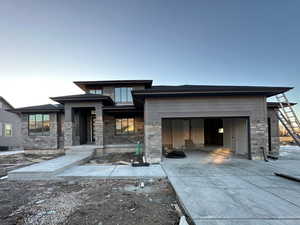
(84, 84)
(84, 98)
(40, 108)
(208, 90)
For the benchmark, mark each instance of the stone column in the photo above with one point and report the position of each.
(99, 126)
(153, 141)
(259, 137)
(68, 126)
(274, 134)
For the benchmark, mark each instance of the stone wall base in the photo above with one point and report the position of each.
(116, 149)
(275, 144)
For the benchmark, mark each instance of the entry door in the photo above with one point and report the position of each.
(93, 118)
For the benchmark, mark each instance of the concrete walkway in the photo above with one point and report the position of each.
(216, 189)
(5, 153)
(70, 166)
(113, 172)
(49, 169)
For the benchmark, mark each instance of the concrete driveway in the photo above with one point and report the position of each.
(218, 189)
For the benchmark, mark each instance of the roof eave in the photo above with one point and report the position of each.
(153, 94)
(6, 102)
(38, 111)
(83, 84)
(63, 100)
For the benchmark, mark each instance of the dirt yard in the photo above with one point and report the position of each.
(87, 202)
(11, 162)
(114, 158)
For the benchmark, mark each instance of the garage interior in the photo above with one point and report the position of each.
(206, 134)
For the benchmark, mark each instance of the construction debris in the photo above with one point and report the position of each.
(178, 210)
(122, 163)
(77, 203)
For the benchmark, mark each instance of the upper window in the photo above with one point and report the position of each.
(125, 126)
(8, 130)
(123, 95)
(1, 105)
(95, 91)
(39, 125)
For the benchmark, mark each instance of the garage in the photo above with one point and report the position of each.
(206, 134)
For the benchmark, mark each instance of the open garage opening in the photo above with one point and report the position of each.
(223, 135)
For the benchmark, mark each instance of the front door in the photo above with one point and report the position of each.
(93, 118)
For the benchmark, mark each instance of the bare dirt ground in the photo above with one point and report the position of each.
(87, 202)
(11, 162)
(113, 158)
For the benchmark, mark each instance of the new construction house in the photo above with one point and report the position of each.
(10, 129)
(115, 115)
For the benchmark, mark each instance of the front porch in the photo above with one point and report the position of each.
(83, 124)
(108, 129)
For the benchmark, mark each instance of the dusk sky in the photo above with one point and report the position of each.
(45, 45)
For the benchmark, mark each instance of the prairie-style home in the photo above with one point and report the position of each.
(115, 115)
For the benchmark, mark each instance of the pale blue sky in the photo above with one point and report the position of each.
(45, 45)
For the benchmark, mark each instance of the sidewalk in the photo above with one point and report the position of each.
(11, 152)
(113, 172)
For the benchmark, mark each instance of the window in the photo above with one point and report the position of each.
(95, 91)
(8, 130)
(123, 95)
(39, 125)
(1, 105)
(125, 126)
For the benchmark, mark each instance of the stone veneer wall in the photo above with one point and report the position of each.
(99, 125)
(111, 138)
(153, 142)
(258, 137)
(40, 142)
(68, 133)
(275, 140)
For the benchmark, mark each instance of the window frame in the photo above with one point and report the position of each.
(119, 99)
(121, 131)
(44, 132)
(5, 130)
(94, 91)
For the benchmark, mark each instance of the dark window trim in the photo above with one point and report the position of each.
(44, 133)
(95, 89)
(123, 102)
(125, 133)
(5, 130)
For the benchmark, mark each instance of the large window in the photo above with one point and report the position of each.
(39, 125)
(125, 126)
(8, 130)
(123, 95)
(95, 91)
